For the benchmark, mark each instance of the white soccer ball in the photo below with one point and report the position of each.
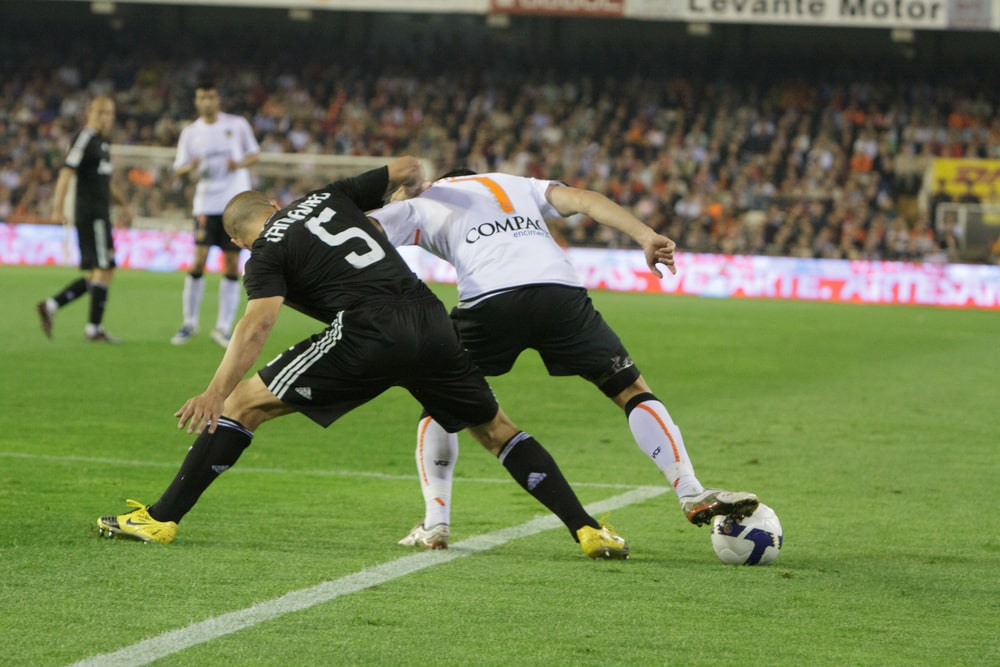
(753, 540)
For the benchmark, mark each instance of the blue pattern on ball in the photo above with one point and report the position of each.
(761, 539)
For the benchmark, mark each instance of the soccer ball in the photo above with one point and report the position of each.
(753, 540)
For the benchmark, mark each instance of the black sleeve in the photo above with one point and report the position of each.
(263, 276)
(367, 190)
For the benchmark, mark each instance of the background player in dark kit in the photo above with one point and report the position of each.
(89, 160)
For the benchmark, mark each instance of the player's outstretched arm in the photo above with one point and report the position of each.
(658, 248)
(248, 339)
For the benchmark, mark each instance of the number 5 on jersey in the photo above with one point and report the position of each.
(357, 260)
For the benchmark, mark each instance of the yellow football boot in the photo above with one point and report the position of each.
(137, 525)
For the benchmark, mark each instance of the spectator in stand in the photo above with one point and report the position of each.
(969, 196)
(948, 237)
(922, 241)
(765, 141)
(940, 196)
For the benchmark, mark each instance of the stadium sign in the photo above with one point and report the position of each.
(960, 175)
(877, 10)
(914, 14)
(891, 14)
(719, 276)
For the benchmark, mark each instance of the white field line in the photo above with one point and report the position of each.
(175, 641)
(281, 471)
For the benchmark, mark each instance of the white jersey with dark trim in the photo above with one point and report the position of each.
(230, 137)
(490, 227)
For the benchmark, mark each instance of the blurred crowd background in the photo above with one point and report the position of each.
(752, 148)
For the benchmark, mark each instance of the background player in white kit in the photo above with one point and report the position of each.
(215, 150)
(518, 290)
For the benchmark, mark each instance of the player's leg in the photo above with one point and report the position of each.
(86, 241)
(536, 471)
(436, 454)
(453, 390)
(577, 341)
(660, 439)
(493, 347)
(249, 406)
(229, 296)
(211, 454)
(658, 436)
(47, 309)
(533, 468)
(98, 286)
(194, 291)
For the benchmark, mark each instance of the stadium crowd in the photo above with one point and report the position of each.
(782, 164)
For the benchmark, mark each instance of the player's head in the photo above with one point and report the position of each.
(206, 99)
(245, 216)
(101, 114)
(454, 173)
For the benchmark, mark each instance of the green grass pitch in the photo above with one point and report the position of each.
(872, 432)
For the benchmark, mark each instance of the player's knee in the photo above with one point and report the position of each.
(628, 397)
(252, 404)
(494, 434)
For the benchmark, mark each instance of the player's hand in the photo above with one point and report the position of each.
(660, 250)
(58, 217)
(409, 191)
(193, 171)
(201, 411)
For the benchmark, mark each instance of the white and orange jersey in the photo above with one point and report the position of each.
(230, 137)
(490, 227)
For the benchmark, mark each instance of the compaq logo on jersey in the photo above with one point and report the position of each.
(276, 230)
(518, 224)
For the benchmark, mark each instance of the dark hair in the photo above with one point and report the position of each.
(461, 171)
(205, 84)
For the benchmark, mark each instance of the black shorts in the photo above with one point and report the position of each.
(558, 321)
(212, 233)
(97, 246)
(366, 350)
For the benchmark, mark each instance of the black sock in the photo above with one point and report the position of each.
(210, 456)
(71, 292)
(98, 299)
(534, 469)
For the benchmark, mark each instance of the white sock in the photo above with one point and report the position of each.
(659, 437)
(229, 301)
(51, 306)
(437, 452)
(194, 290)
